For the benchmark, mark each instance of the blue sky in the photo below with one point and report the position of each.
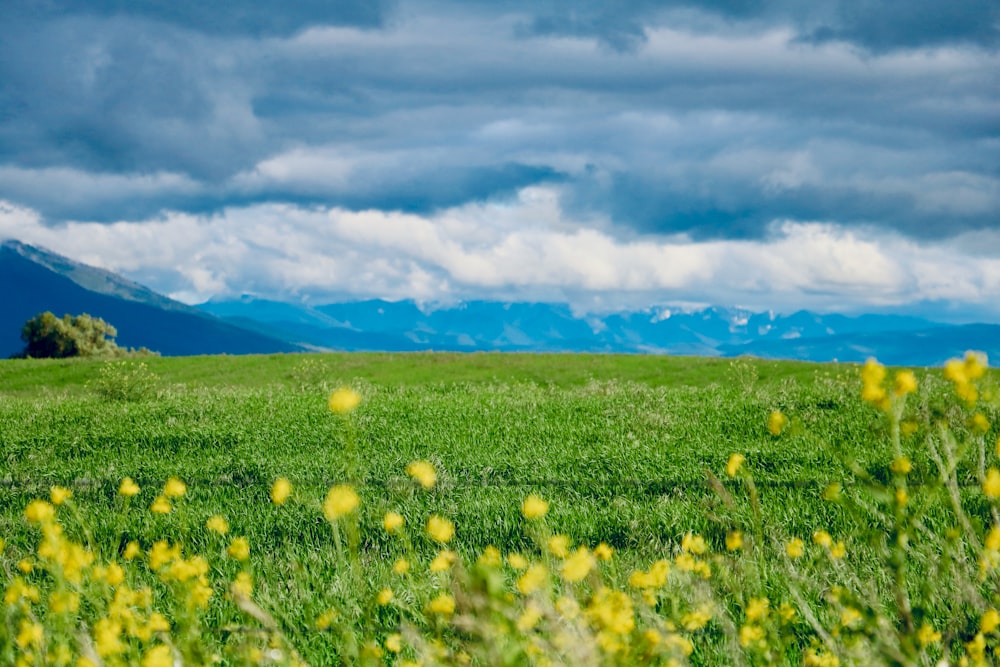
(835, 156)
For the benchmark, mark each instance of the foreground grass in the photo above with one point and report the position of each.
(631, 464)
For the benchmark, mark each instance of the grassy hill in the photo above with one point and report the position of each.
(627, 451)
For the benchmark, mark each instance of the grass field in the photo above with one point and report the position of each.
(629, 451)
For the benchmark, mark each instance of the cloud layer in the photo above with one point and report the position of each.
(671, 141)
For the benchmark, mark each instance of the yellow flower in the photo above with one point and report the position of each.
(532, 579)
(850, 617)
(990, 621)
(64, 602)
(440, 529)
(392, 522)
(776, 422)
(902, 497)
(872, 377)
(280, 491)
(991, 485)
(384, 597)
(694, 544)
(559, 546)
(696, 619)
(344, 400)
(578, 565)
(340, 501)
(838, 551)
(174, 488)
(490, 557)
(734, 464)
(160, 506)
(751, 634)
(25, 566)
(158, 656)
(239, 549)
(131, 550)
(217, 524)
(534, 507)
(39, 511)
(603, 552)
(401, 566)
(734, 540)
(980, 424)
(59, 495)
(795, 548)
(442, 605)
(394, 643)
(519, 562)
(901, 465)
(128, 488)
(758, 609)
(822, 538)
(905, 383)
(30, 635)
(529, 619)
(326, 619)
(927, 635)
(243, 585)
(443, 561)
(423, 472)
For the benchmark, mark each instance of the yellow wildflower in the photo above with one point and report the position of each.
(440, 529)
(384, 597)
(392, 522)
(758, 609)
(979, 423)
(64, 602)
(344, 400)
(752, 634)
(217, 524)
(242, 586)
(174, 488)
(612, 611)
(326, 619)
(490, 557)
(423, 472)
(902, 497)
(578, 565)
(442, 605)
(795, 548)
(603, 552)
(30, 635)
(850, 617)
(694, 544)
(734, 463)
(901, 465)
(991, 485)
(838, 551)
(776, 422)
(529, 618)
(131, 550)
(340, 501)
(443, 561)
(696, 619)
(872, 377)
(128, 488)
(927, 635)
(559, 546)
(989, 622)
(160, 506)
(394, 643)
(905, 383)
(25, 566)
(534, 507)
(158, 656)
(734, 540)
(280, 491)
(532, 579)
(517, 561)
(39, 511)
(401, 566)
(59, 495)
(822, 538)
(239, 548)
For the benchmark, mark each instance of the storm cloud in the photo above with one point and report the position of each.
(659, 123)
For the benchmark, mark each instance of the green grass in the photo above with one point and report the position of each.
(623, 447)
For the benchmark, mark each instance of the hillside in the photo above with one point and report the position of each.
(38, 280)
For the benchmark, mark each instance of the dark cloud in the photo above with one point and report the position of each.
(254, 18)
(708, 119)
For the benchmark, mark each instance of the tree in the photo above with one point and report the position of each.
(47, 336)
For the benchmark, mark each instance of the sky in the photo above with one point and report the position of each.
(837, 156)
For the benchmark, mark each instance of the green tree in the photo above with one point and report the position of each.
(47, 336)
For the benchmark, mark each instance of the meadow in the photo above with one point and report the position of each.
(628, 462)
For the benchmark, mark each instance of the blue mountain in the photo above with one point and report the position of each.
(36, 280)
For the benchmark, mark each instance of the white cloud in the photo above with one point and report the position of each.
(523, 248)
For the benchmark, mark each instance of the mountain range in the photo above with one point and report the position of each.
(40, 280)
